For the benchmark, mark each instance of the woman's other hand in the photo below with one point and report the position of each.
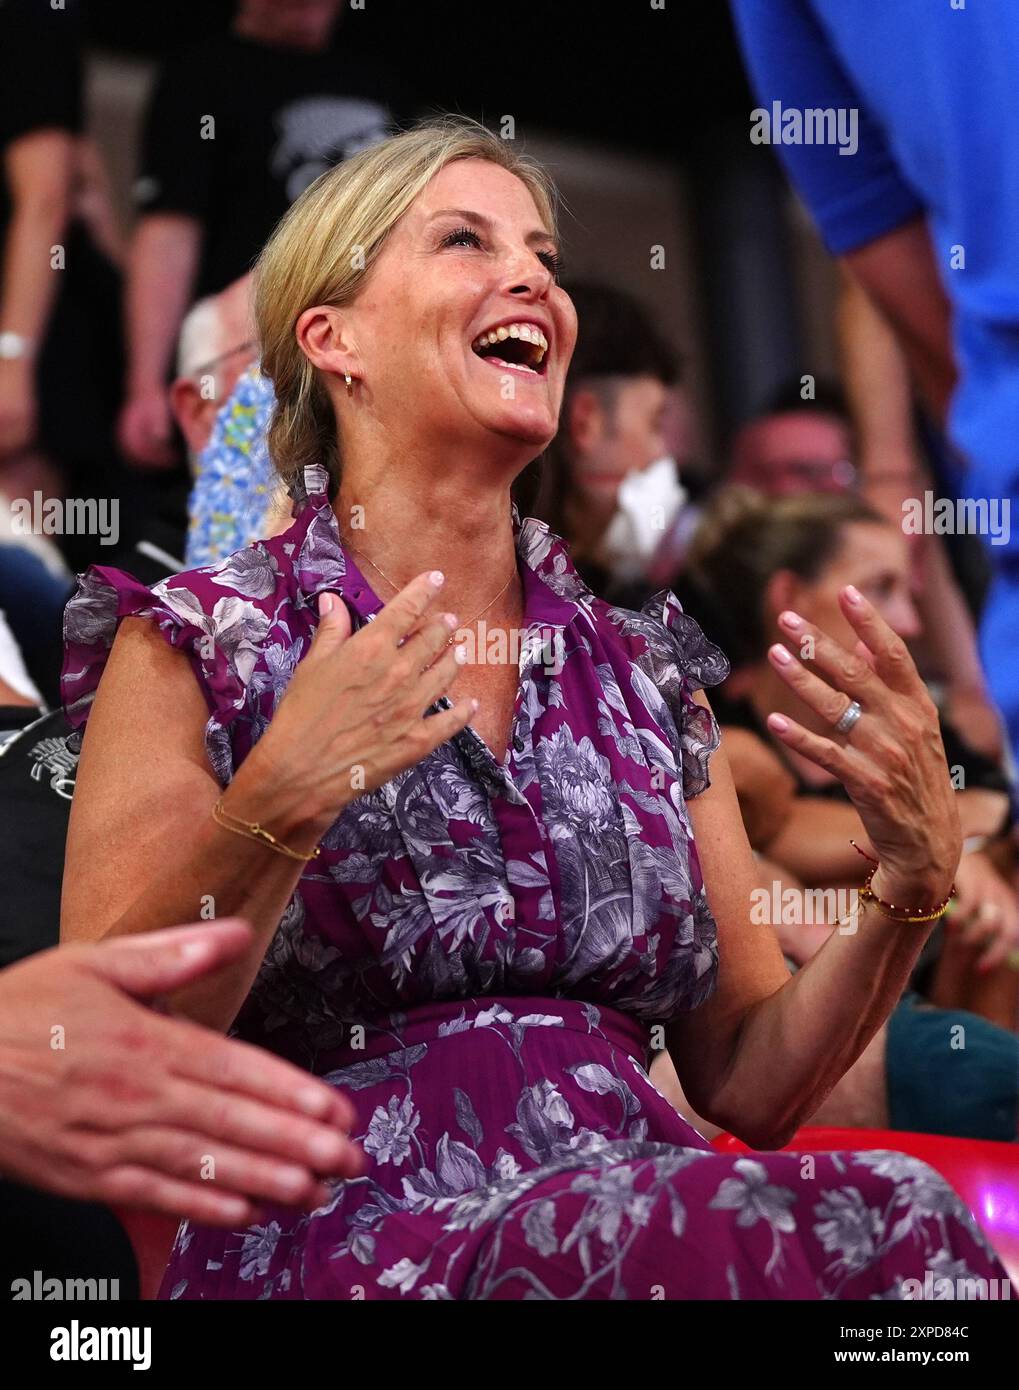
(892, 761)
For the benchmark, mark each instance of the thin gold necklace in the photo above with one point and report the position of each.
(396, 587)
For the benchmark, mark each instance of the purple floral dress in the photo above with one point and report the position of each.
(478, 959)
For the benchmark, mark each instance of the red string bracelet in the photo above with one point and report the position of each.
(897, 914)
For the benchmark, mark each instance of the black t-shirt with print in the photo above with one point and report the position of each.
(236, 130)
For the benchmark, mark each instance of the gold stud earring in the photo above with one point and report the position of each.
(350, 384)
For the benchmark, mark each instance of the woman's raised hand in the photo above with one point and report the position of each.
(353, 715)
(891, 761)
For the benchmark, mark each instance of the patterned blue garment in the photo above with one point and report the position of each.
(235, 478)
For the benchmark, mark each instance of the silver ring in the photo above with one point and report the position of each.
(849, 718)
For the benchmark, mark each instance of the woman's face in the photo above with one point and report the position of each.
(875, 558)
(469, 258)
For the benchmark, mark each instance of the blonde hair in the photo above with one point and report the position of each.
(323, 250)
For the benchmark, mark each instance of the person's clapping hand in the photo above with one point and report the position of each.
(891, 760)
(985, 912)
(105, 1099)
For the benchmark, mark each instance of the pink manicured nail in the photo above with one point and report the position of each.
(779, 654)
(778, 722)
(313, 1102)
(791, 620)
(853, 594)
(437, 579)
(325, 604)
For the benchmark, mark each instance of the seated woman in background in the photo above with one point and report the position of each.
(752, 559)
(475, 916)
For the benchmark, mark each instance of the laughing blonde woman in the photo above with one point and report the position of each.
(478, 885)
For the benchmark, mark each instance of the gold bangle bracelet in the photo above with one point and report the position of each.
(253, 831)
(867, 894)
(897, 914)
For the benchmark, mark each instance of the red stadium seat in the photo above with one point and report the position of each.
(983, 1172)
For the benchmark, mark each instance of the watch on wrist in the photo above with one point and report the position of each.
(14, 347)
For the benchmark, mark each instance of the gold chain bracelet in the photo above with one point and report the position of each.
(897, 914)
(253, 831)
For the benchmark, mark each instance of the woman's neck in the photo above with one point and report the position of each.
(404, 522)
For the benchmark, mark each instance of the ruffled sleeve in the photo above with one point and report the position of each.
(683, 660)
(93, 614)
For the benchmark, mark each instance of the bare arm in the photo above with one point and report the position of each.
(143, 850)
(900, 274)
(814, 840)
(950, 634)
(39, 168)
(765, 1050)
(162, 264)
(881, 399)
(878, 386)
(706, 1046)
(764, 785)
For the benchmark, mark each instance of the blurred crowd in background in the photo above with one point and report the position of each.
(741, 422)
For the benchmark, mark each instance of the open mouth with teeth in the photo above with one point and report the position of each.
(522, 347)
